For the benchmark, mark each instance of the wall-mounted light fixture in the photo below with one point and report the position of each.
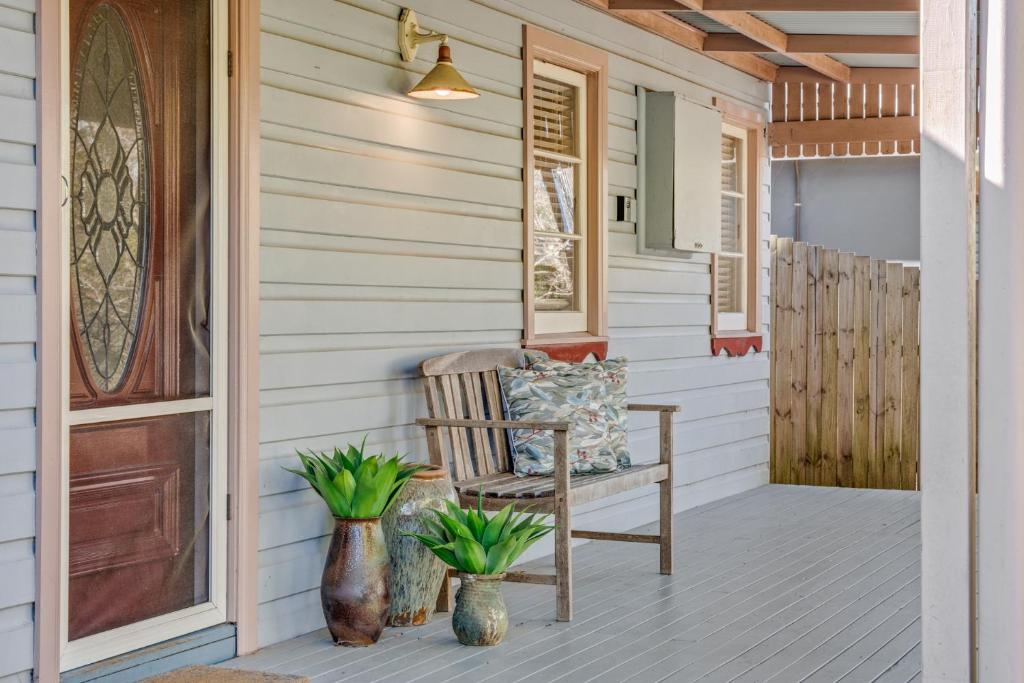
(443, 82)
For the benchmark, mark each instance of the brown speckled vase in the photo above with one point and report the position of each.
(416, 573)
(480, 617)
(354, 588)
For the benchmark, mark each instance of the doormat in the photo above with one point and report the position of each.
(210, 674)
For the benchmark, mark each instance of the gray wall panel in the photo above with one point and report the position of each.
(870, 206)
(392, 232)
(17, 337)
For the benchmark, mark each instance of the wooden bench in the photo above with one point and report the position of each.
(466, 431)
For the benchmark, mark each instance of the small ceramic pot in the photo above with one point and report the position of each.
(354, 588)
(480, 617)
(416, 573)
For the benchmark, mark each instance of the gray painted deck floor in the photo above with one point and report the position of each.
(782, 583)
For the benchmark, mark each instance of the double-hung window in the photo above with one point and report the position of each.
(559, 199)
(732, 261)
(565, 192)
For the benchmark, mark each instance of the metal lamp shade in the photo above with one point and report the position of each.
(443, 82)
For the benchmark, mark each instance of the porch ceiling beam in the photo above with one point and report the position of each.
(814, 5)
(742, 22)
(772, 38)
(819, 43)
(688, 36)
(645, 5)
(771, 5)
(844, 130)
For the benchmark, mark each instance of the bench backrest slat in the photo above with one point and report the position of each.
(465, 385)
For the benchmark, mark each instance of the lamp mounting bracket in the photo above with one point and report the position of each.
(410, 36)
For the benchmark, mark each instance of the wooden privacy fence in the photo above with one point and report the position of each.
(845, 368)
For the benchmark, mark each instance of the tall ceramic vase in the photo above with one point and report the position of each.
(416, 573)
(354, 588)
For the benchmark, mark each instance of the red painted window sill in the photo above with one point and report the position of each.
(571, 350)
(736, 344)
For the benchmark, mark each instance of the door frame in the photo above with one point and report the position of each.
(212, 611)
(239, 357)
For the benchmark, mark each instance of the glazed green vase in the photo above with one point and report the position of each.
(480, 617)
(354, 587)
(416, 573)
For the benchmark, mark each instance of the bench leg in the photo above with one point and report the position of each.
(563, 530)
(444, 597)
(665, 526)
(563, 565)
(665, 491)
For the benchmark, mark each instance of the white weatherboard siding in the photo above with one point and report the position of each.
(17, 335)
(392, 232)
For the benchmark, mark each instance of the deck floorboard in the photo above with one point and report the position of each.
(782, 583)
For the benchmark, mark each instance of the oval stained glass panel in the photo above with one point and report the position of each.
(109, 217)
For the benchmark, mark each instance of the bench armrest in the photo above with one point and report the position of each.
(653, 408)
(492, 424)
(664, 430)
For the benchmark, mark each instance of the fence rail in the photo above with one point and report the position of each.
(845, 368)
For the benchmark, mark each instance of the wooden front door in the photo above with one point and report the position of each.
(140, 325)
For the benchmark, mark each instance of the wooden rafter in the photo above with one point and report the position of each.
(774, 5)
(645, 5)
(771, 37)
(756, 29)
(819, 43)
(814, 5)
(754, 35)
(684, 34)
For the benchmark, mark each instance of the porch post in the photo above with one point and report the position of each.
(948, 337)
(1001, 342)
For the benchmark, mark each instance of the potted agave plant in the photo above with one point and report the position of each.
(480, 549)
(358, 489)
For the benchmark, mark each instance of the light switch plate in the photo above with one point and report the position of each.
(625, 209)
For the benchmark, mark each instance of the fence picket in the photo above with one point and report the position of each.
(829, 368)
(815, 306)
(861, 366)
(910, 423)
(844, 380)
(799, 363)
(845, 369)
(783, 375)
(893, 376)
(773, 383)
(876, 467)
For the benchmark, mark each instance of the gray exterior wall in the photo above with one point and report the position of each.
(392, 232)
(17, 336)
(870, 206)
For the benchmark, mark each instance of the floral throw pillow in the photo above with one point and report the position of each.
(591, 396)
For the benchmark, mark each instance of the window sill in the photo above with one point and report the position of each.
(571, 348)
(736, 343)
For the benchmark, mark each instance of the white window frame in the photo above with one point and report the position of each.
(737, 321)
(118, 641)
(561, 322)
